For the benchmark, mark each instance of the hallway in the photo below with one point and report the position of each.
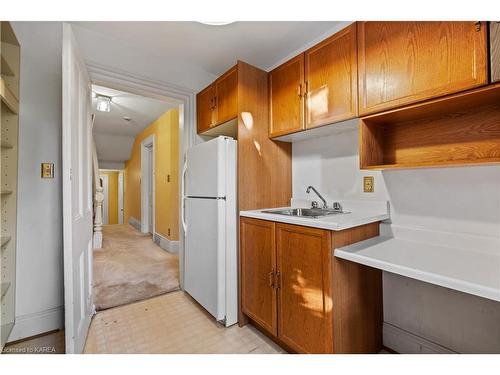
(131, 267)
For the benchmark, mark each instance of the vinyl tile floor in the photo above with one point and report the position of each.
(171, 324)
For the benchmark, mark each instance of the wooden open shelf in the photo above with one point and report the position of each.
(6, 144)
(4, 240)
(459, 129)
(8, 97)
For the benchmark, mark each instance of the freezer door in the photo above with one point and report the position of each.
(204, 256)
(205, 176)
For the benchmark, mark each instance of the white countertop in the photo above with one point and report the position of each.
(360, 213)
(474, 269)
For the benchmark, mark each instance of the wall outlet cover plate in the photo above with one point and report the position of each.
(368, 184)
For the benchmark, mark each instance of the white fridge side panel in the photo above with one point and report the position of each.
(204, 255)
(231, 234)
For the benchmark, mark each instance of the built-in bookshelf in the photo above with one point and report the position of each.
(9, 94)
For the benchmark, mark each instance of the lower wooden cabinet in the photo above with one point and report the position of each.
(258, 295)
(294, 289)
(304, 305)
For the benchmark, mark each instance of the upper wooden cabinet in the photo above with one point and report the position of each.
(226, 96)
(218, 103)
(331, 79)
(286, 97)
(405, 62)
(205, 105)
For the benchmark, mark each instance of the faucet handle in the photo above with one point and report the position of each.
(314, 204)
(337, 206)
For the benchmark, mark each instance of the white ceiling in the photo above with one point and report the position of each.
(216, 48)
(113, 135)
(141, 110)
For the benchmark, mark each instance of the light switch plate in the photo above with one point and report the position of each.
(368, 184)
(47, 170)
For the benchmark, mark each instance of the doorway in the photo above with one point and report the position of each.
(105, 202)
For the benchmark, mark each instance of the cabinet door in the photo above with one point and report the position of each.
(304, 297)
(406, 62)
(226, 96)
(286, 99)
(258, 267)
(331, 76)
(205, 109)
(495, 50)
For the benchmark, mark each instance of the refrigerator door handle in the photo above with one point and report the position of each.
(183, 200)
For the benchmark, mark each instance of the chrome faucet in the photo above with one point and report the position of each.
(309, 188)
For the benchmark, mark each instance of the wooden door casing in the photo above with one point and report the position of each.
(400, 63)
(205, 108)
(286, 97)
(331, 76)
(258, 267)
(304, 295)
(226, 96)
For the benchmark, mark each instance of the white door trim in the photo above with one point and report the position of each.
(142, 85)
(105, 202)
(120, 197)
(147, 167)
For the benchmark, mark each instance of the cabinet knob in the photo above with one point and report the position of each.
(271, 279)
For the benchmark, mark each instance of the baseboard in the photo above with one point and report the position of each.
(166, 244)
(405, 342)
(35, 324)
(135, 223)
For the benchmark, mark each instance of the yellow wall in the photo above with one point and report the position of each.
(166, 132)
(112, 195)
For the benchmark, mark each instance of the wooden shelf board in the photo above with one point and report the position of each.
(4, 288)
(228, 128)
(6, 68)
(461, 129)
(8, 98)
(5, 240)
(6, 144)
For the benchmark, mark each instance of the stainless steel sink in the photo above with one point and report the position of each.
(306, 212)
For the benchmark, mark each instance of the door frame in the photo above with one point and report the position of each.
(105, 202)
(120, 197)
(161, 90)
(147, 175)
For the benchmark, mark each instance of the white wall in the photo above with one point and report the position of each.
(39, 281)
(463, 200)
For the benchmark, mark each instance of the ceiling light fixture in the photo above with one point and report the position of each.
(103, 103)
(216, 23)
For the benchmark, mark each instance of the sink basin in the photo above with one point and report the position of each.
(306, 212)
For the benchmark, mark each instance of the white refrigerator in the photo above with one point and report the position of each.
(209, 218)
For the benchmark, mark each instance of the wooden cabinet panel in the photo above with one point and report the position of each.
(304, 297)
(258, 266)
(226, 96)
(405, 62)
(205, 109)
(495, 50)
(286, 99)
(331, 76)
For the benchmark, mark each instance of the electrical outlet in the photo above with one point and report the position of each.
(168, 231)
(368, 184)
(47, 170)
(168, 178)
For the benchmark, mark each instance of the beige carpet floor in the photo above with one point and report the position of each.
(131, 267)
